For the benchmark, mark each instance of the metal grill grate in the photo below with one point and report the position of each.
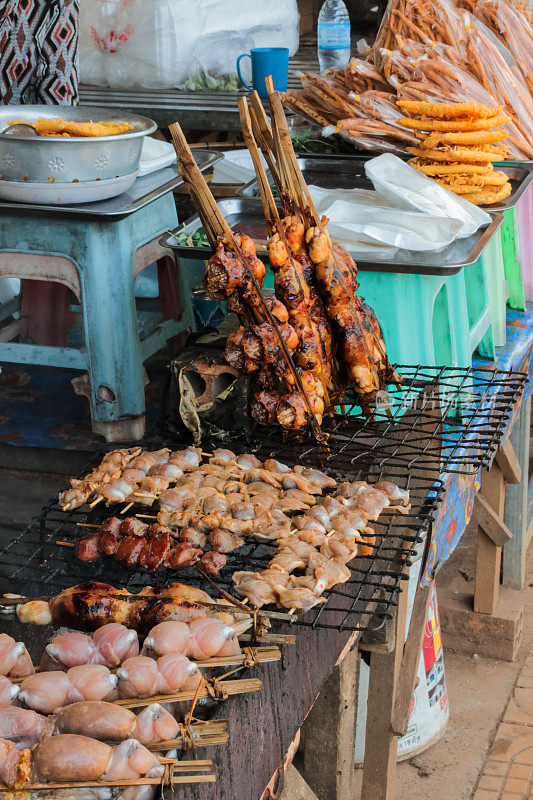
(440, 419)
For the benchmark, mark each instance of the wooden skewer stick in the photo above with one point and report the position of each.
(95, 502)
(126, 508)
(86, 525)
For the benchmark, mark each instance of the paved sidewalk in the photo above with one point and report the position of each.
(508, 771)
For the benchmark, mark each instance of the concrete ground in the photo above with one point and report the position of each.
(479, 688)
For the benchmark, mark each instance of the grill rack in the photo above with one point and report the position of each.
(476, 405)
(410, 444)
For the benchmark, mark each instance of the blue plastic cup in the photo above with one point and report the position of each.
(266, 61)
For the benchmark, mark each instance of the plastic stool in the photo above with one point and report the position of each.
(427, 319)
(524, 216)
(498, 288)
(98, 260)
(512, 259)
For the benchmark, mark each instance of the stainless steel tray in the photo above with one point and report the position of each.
(348, 172)
(144, 191)
(245, 215)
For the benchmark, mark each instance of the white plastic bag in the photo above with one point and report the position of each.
(167, 43)
(354, 222)
(409, 189)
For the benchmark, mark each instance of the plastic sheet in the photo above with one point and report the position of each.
(168, 43)
(381, 225)
(407, 188)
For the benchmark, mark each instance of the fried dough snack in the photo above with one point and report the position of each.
(449, 110)
(453, 126)
(459, 171)
(435, 168)
(61, 127)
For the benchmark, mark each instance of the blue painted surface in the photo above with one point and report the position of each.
(455, 511)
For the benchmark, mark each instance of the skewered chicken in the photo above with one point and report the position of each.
(113, 723)
(72, 758)
(46, 691)
(200, 639)
(142, 676)
(109, 646)
(8, 691)
(23, 727)
(14, 658)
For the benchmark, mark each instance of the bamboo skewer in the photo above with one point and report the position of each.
(172, 766)
(229, 687)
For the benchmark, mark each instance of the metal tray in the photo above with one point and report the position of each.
(245, 215)
(144, 191)
(348, 172)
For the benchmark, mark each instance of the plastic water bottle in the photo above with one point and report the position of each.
(333, 35)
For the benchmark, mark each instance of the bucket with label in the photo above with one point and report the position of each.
(429, 707)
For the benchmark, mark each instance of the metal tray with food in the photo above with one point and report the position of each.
(245, 215)
(348, 172)
(144, 191)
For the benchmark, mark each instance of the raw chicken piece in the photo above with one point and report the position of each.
(252, 586)
(224, 541)
(340, 547)
(14, 659)
(139, 677)
(69, 757)
(130, 760)
(327, 572)
(143, 677)
(311, 532)
(8, 691)
(70, 649)
(9, 759)
(155, 724)
(194, 537)
(314, 476)
(167, 637)
(99, 720)
(46, 691)
(22, 726)
(370, 500)
(222, 457)
(207, 637)
(310, 582)
(296, 500)
(231, 648)
(115, 643)
(277, 578)
(301, 599)
(300, 547)
(178, 673)
(36, 612)
(393, 492)
(93, 681)
(247, 461)
(287, 560)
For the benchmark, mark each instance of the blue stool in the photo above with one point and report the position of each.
(98, 259)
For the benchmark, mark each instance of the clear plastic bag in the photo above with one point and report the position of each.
(375, 220)
(421, 20)
(407, 188)
(165, 43)
(514, 31)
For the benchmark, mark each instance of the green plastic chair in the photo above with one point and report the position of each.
(512, 259)
(498, 288)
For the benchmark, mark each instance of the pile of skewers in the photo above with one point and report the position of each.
(304, 345)
(230, 499)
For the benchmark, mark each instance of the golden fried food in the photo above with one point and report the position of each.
(459, 188)
(453, 126)
(448, 110)
(475, 138)
(485, 197)
(436, 168)
(61, 127)
(457, 154)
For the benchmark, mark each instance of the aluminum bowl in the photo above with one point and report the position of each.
(64, 159)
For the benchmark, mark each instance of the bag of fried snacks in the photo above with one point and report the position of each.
(495, 68)
(397, 67)
(432, 49)
(409, 189)
(361, 76)
(421, 20)
(328, 93)
(513, 30)
(371, 134)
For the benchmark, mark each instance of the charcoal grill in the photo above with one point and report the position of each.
(440, 420)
